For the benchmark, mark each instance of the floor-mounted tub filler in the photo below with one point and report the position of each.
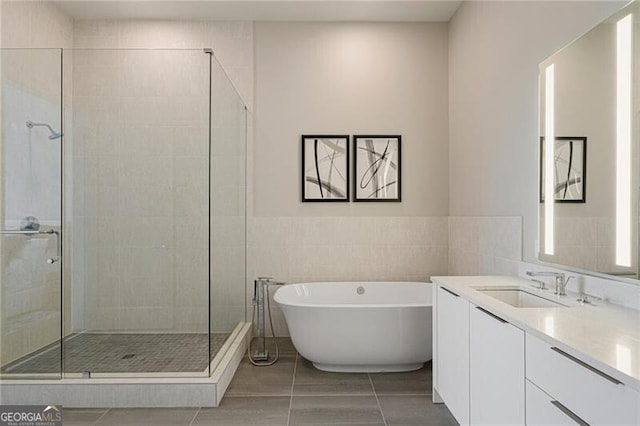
(359, 326)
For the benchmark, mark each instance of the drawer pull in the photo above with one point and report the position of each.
(492, 315)
(569, 413)
(449, 291)
(587, 366)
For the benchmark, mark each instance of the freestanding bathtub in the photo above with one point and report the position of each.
(359, 326)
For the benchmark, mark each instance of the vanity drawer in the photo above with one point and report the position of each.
(589, 393)
(542, 410)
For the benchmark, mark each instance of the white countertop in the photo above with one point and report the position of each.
(605, 336)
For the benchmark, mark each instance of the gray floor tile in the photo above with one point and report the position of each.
(335, 410)
(285, 346)
(275, 380)
(148, 416)
(415, 410)
(311, 381)
(410, 383)
(81, 416)
(273, 410)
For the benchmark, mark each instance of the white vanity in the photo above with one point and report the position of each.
(508, 353)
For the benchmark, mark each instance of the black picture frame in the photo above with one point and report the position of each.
(325, 168)
(571, 157)
(377, 168)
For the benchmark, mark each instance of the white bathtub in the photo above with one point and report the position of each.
(385, 328)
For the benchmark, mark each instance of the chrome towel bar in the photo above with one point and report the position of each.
(51, 260)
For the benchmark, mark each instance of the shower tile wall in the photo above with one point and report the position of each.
(30, 298)
(232, 42)
(27, 24)
(303, 249)
(135, 185)
(484, 245)
(145, 267)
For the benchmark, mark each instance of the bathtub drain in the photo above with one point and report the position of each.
(360, 290)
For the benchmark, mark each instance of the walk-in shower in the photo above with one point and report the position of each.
(141, 205)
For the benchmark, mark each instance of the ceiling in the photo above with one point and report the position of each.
(265, 10)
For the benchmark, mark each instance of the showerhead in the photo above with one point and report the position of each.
(54, 135)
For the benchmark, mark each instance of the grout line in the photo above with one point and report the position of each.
(103, 414)
(329, 395)
(259, 395)
(405, 394)
(377, 400)
(293, 382)
(194, 416)
(315, 395)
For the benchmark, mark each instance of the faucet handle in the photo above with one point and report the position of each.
(568, 279)
(541, 284)
(585, 298)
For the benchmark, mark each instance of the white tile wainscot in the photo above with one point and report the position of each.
(578, 363)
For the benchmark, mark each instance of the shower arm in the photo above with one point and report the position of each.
(54, 134)
(51, 260)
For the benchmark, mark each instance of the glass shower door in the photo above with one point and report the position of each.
(138, 237)
(30, 213)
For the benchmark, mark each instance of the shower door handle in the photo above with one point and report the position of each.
(51, 260)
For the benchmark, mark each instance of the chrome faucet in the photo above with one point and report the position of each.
(560, 281)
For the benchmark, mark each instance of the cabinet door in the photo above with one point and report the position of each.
(496, 370)
(542, 410)
(453, 353)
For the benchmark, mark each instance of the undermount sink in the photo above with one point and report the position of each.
(520, 298)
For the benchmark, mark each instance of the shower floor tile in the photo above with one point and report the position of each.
(123, 353)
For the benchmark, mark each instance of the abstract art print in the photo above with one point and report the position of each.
(569, 168)
(377, 172)
(325, 168)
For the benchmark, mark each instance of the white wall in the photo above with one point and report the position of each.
(494, 52)
(351, 78)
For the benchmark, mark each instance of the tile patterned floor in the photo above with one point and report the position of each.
(124, 353)
(293, 392)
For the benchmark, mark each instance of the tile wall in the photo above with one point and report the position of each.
(345, 248)
(140, 179)
(144, 155)
(484, 245)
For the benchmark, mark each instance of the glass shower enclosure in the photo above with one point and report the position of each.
(31, 169)
(123, 213)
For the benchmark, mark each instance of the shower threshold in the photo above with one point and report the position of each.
(133, 389)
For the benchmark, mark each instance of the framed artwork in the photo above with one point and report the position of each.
(325, 168)
(569, 167)
(377, 168)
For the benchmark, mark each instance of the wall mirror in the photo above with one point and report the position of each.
(590, 149)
